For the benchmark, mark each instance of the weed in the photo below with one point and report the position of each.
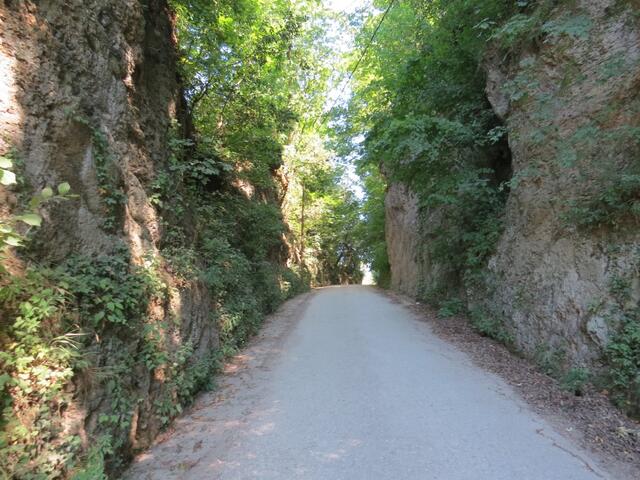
(490, 325)
(550, 360)
(575, 380)
(109, 183)
(623, 358)
(451, 308)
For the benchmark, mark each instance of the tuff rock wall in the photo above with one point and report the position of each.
(561, 274)
(88, 90)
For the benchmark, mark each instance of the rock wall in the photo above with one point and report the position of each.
(77, 68)
(572, 129)
(88, 91)
(403, 238)
(571, 102)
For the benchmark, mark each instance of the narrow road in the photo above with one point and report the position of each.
(352, 386)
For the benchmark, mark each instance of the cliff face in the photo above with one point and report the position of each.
(81, 69)
(403, 238)
(573, 135)
(90, 91)
(565, 269)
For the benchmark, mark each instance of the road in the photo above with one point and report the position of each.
(346, 384)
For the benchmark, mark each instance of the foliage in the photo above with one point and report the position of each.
(57, 313)
(64, 316)
(622, 353)
(256, 74)
(575, 379)
(38, 359)
(451, 308)
(370, 230)
(323, 213)
(38, 356)
(10, 235)
(109, 290)
(623, 358)
(615, 203)
(526, 26)
(550, 360)
(245, 66)
(490, 324)
(570, 25)
(420, 105)
(109, 182)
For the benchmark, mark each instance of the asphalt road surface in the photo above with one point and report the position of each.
(345, 384)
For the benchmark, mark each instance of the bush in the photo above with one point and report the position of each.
(489, 325)
(39, 355)
(618, 200)
(575, 379)
(623, 358)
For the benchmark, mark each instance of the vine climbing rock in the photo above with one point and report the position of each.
(88, 92)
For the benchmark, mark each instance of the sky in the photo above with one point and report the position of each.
(346, 43)
(340, 92)
(345, 5)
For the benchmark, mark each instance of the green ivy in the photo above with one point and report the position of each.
(11, 235)
(109, 290)
(623, 358)
(109, 184)
(39, 358)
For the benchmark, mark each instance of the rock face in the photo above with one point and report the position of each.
(147, 277)
(78, 69)
(403, 238)
(88, 91)
(572, 128)
(571, 103)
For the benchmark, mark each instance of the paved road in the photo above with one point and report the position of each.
(357, 388)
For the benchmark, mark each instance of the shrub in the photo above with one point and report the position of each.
(623, 358)
(490, 325)
(575, 379)
(451, 308)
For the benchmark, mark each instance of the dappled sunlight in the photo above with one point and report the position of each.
(227, 431)
(264, 429)
(237, 363)
(10, 111)
(340, 453)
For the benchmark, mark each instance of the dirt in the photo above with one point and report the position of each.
(590, 419)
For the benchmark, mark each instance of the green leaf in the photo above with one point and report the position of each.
(5, 379)
(64, 188)
(5, 162)
(32, 219)
(13, 241)
(7, 177)
(47, 192)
